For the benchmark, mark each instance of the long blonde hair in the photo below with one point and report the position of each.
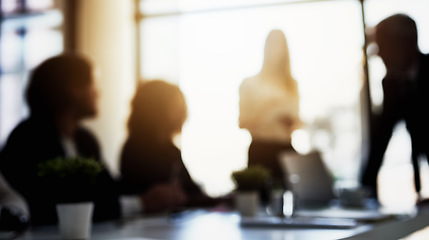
(277, 61)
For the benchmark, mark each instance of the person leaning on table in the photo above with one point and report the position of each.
(406, 95)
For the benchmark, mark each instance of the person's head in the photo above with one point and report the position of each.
(276, 55)
(396, 37)
(158, 111)
(62, 84)
(276, 66)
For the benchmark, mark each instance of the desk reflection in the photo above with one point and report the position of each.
(194, 224)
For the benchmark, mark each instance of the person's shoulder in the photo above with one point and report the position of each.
(135, 149)
(136, 142)
(26, 124)
(424, 58)
(129, 149)
(174, 148)
(24, 136)
(87, 141)
(250, 80)
(25, 129)
(34, 126)
(249, 83)
(83, 132)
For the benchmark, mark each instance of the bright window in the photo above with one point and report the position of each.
(209, 53)
(209, 47)
(26, 40)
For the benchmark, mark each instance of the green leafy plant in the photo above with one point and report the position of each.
(71, 179)
(66, 168)
(251, 179)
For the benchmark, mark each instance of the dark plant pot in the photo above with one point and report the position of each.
(71, 190)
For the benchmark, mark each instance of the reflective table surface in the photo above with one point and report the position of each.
(207, 224)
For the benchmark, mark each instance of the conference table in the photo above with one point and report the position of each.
(226, 224)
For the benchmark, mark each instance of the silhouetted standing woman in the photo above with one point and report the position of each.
(269, 106)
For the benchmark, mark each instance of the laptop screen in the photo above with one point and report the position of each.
(308, 178)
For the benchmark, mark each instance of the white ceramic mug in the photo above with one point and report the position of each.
(75, 220)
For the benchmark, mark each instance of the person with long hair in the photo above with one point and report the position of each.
(149, 157)
(269, 106)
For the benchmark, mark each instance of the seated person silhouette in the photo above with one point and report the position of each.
(61, 93)
(405, 88)
(149, 156)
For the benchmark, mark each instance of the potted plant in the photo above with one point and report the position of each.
(73, 180)
(249, 184)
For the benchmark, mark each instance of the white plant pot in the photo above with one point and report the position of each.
(247, 203)
(75, 220)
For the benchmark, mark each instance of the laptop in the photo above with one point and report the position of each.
(312, 185)
(307, 177)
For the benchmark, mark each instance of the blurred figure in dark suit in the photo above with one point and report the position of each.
(61, 93)
(406, 94)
